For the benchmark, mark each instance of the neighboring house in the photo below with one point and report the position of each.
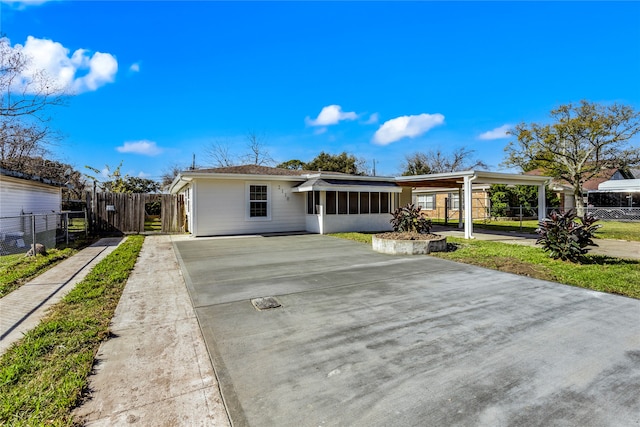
(258, 199)
(446, 203)
(20, 195)
(564, 190)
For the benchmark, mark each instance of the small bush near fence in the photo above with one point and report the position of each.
(19, 233)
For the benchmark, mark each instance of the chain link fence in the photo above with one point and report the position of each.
(19, 233)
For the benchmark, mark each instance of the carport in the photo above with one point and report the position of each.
(464, 182)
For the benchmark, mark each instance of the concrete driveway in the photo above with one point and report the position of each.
(366, 339)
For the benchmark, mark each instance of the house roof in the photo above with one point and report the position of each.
(318, 183)
(27, 177)
(456, 179)
(254, 170)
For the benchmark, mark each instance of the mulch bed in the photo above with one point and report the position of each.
(408, 236)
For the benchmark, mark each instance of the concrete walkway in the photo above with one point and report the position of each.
(155, 370)
(23, 308)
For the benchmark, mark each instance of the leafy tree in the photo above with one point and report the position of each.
(504, 197)
(581, 142)
(343, 162)
(416, 164)
(116, 183)
(293, 165)
(435, 161)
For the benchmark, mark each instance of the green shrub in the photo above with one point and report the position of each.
(409, 219)
(566, 236)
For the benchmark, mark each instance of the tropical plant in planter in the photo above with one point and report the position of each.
(409, 219)
(566, 236)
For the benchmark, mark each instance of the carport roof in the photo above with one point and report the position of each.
(456, 179)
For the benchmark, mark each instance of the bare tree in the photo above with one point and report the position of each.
(169, 174)
(25, 98)
(258, 153)
(435, 161)
(219, 154)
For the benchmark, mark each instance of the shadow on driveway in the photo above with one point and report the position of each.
(362, 339)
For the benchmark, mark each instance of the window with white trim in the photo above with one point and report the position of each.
(454, 201)
(426, 201)
(258, 201)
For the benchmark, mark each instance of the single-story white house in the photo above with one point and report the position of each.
(253, 199)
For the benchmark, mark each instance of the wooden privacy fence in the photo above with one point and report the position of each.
(125, 213)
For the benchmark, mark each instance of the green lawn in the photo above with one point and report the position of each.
(599, 273)
(15, 270)
(42, 377)
(609, 230)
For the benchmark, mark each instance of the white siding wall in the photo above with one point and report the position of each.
(19, 196)
(363, 222)
(220, 208)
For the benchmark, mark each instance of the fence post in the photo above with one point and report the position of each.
(66, 228)
(446, 211)
(86, 225)
(520, 217)
(33, 233)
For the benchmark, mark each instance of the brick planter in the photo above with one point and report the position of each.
(409, 247)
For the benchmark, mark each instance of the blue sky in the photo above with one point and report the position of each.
(159, 81)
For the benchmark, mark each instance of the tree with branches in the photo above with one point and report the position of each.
(221, 154)
(581, 142)
(26, 96)
(436, 161)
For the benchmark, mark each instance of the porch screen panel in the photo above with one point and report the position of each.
(310, 203)
(364, 203)
(331, 202)
(342, 202)
(375, 203)
(353, 203)
(384, 202)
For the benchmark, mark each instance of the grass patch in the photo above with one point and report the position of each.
(599, 273)
(43, 375)
(16, 270)
(610, 229)
(153, 224)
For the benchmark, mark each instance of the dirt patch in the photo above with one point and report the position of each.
(511, 265)
(408, 236)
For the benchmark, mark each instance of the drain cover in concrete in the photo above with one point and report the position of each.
(265, 303)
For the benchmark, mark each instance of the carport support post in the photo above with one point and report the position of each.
(461, 206)
(468, 208)
(542, 203)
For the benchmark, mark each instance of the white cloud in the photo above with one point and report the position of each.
(22, 4)
(373, 119)
(406, 127)
(80, 72)
(144, 147)
(497, 133)
(135, 67)
(331, 115)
